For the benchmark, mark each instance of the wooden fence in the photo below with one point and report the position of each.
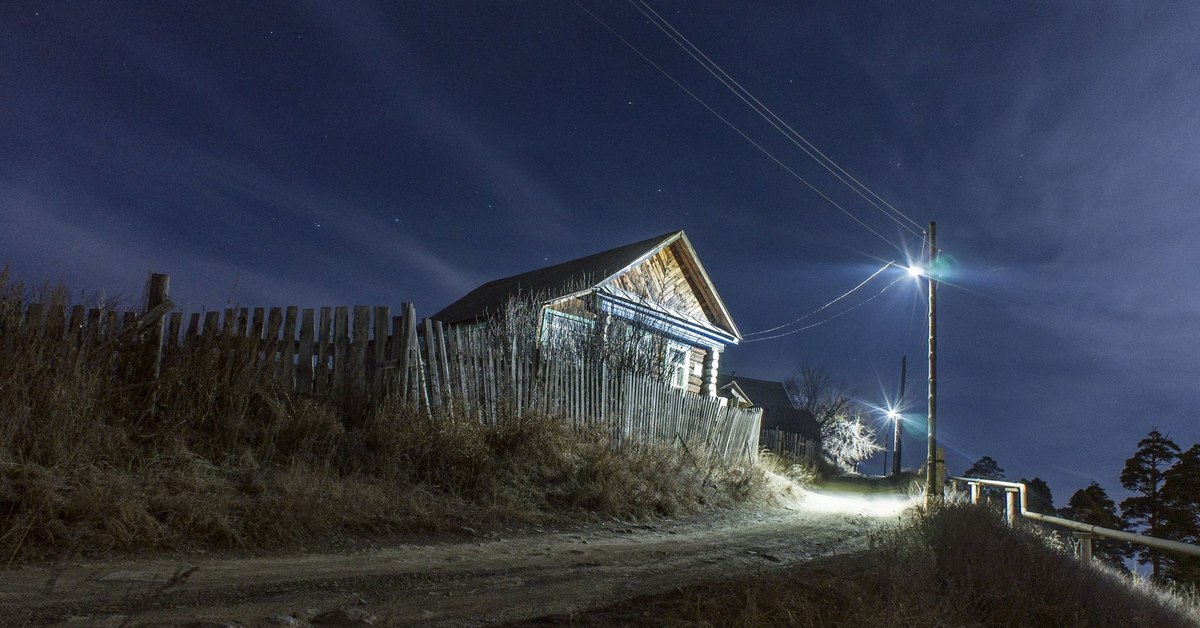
(360, 355)
(491, 379)
(348, 354)
(789, 445)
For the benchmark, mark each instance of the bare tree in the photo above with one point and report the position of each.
(846, 437)
(815, 390)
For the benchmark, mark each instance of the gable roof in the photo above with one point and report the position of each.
(579, 275)
(772, 397)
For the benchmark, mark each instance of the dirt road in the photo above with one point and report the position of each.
(488, 578)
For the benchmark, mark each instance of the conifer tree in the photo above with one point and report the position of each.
(1038, 496)
(1147, 508)
(985, 468)
(1181, 491)
(1093, 505)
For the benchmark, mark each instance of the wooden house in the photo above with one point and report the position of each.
(785, 428)
(656, 285)
(772, 397)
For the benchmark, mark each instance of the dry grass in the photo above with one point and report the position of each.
(213, 455)
(954, 566)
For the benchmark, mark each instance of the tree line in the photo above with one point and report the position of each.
(1165, 482)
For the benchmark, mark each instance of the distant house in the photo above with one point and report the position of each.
(784, 426)
(772, 397)
(656, 285)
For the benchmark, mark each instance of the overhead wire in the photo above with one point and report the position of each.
(827, 305)
(735, 128)
(772, 118)
(826, 320)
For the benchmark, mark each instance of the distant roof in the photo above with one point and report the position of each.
(772, 397)
(560, 280)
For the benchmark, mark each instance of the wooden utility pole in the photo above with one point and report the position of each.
(896, 440)
(933, 490)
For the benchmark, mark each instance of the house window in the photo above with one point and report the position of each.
(678, 366)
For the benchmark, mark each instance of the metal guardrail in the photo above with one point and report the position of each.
(1085, 531)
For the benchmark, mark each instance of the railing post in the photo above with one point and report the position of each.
(1010, 506)
(975, 493)
(1085, 546)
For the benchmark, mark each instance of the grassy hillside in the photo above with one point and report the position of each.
(953, 566)
(213, 455)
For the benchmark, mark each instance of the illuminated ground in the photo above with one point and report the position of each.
(502, 576)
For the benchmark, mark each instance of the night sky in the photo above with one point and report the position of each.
(341, 153)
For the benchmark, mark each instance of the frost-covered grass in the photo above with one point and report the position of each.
(952, 566)
(213, 455)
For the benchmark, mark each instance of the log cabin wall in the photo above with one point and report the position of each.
(661, 279)
(696, 370)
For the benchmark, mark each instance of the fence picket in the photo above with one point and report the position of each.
(357, 373)
(304, 359)
(341, 351)
(321, 383)
(287, 350)
(383, 317)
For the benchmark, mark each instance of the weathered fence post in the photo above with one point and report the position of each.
(156, 296)
(1010, 506)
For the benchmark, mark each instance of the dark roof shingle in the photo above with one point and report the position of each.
(778, 411)
(548, 283)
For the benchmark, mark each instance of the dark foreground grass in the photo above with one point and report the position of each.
(214, 456)
(953, 566)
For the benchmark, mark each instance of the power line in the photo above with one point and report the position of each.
(818, 310)
(822, 322)
(762, 149)
(771, 117)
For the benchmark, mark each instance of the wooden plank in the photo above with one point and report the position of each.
(322, 382)
(212, 328)
(271, 340)
(304, 361)
(383, 316)
(444, 378)
(156, 297)
(192, 334)
(409, 355)
(341, 350)
(174, 324)
(490, 383)
(112, 324)
(394, 378)
(243, 322)
(287, 350)
(431, 368)
(35, 320)
(56, 321)
(128, 320)
(257, 327)
(228, 322)
(357, 372)
(93, 330)
(75, 324)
